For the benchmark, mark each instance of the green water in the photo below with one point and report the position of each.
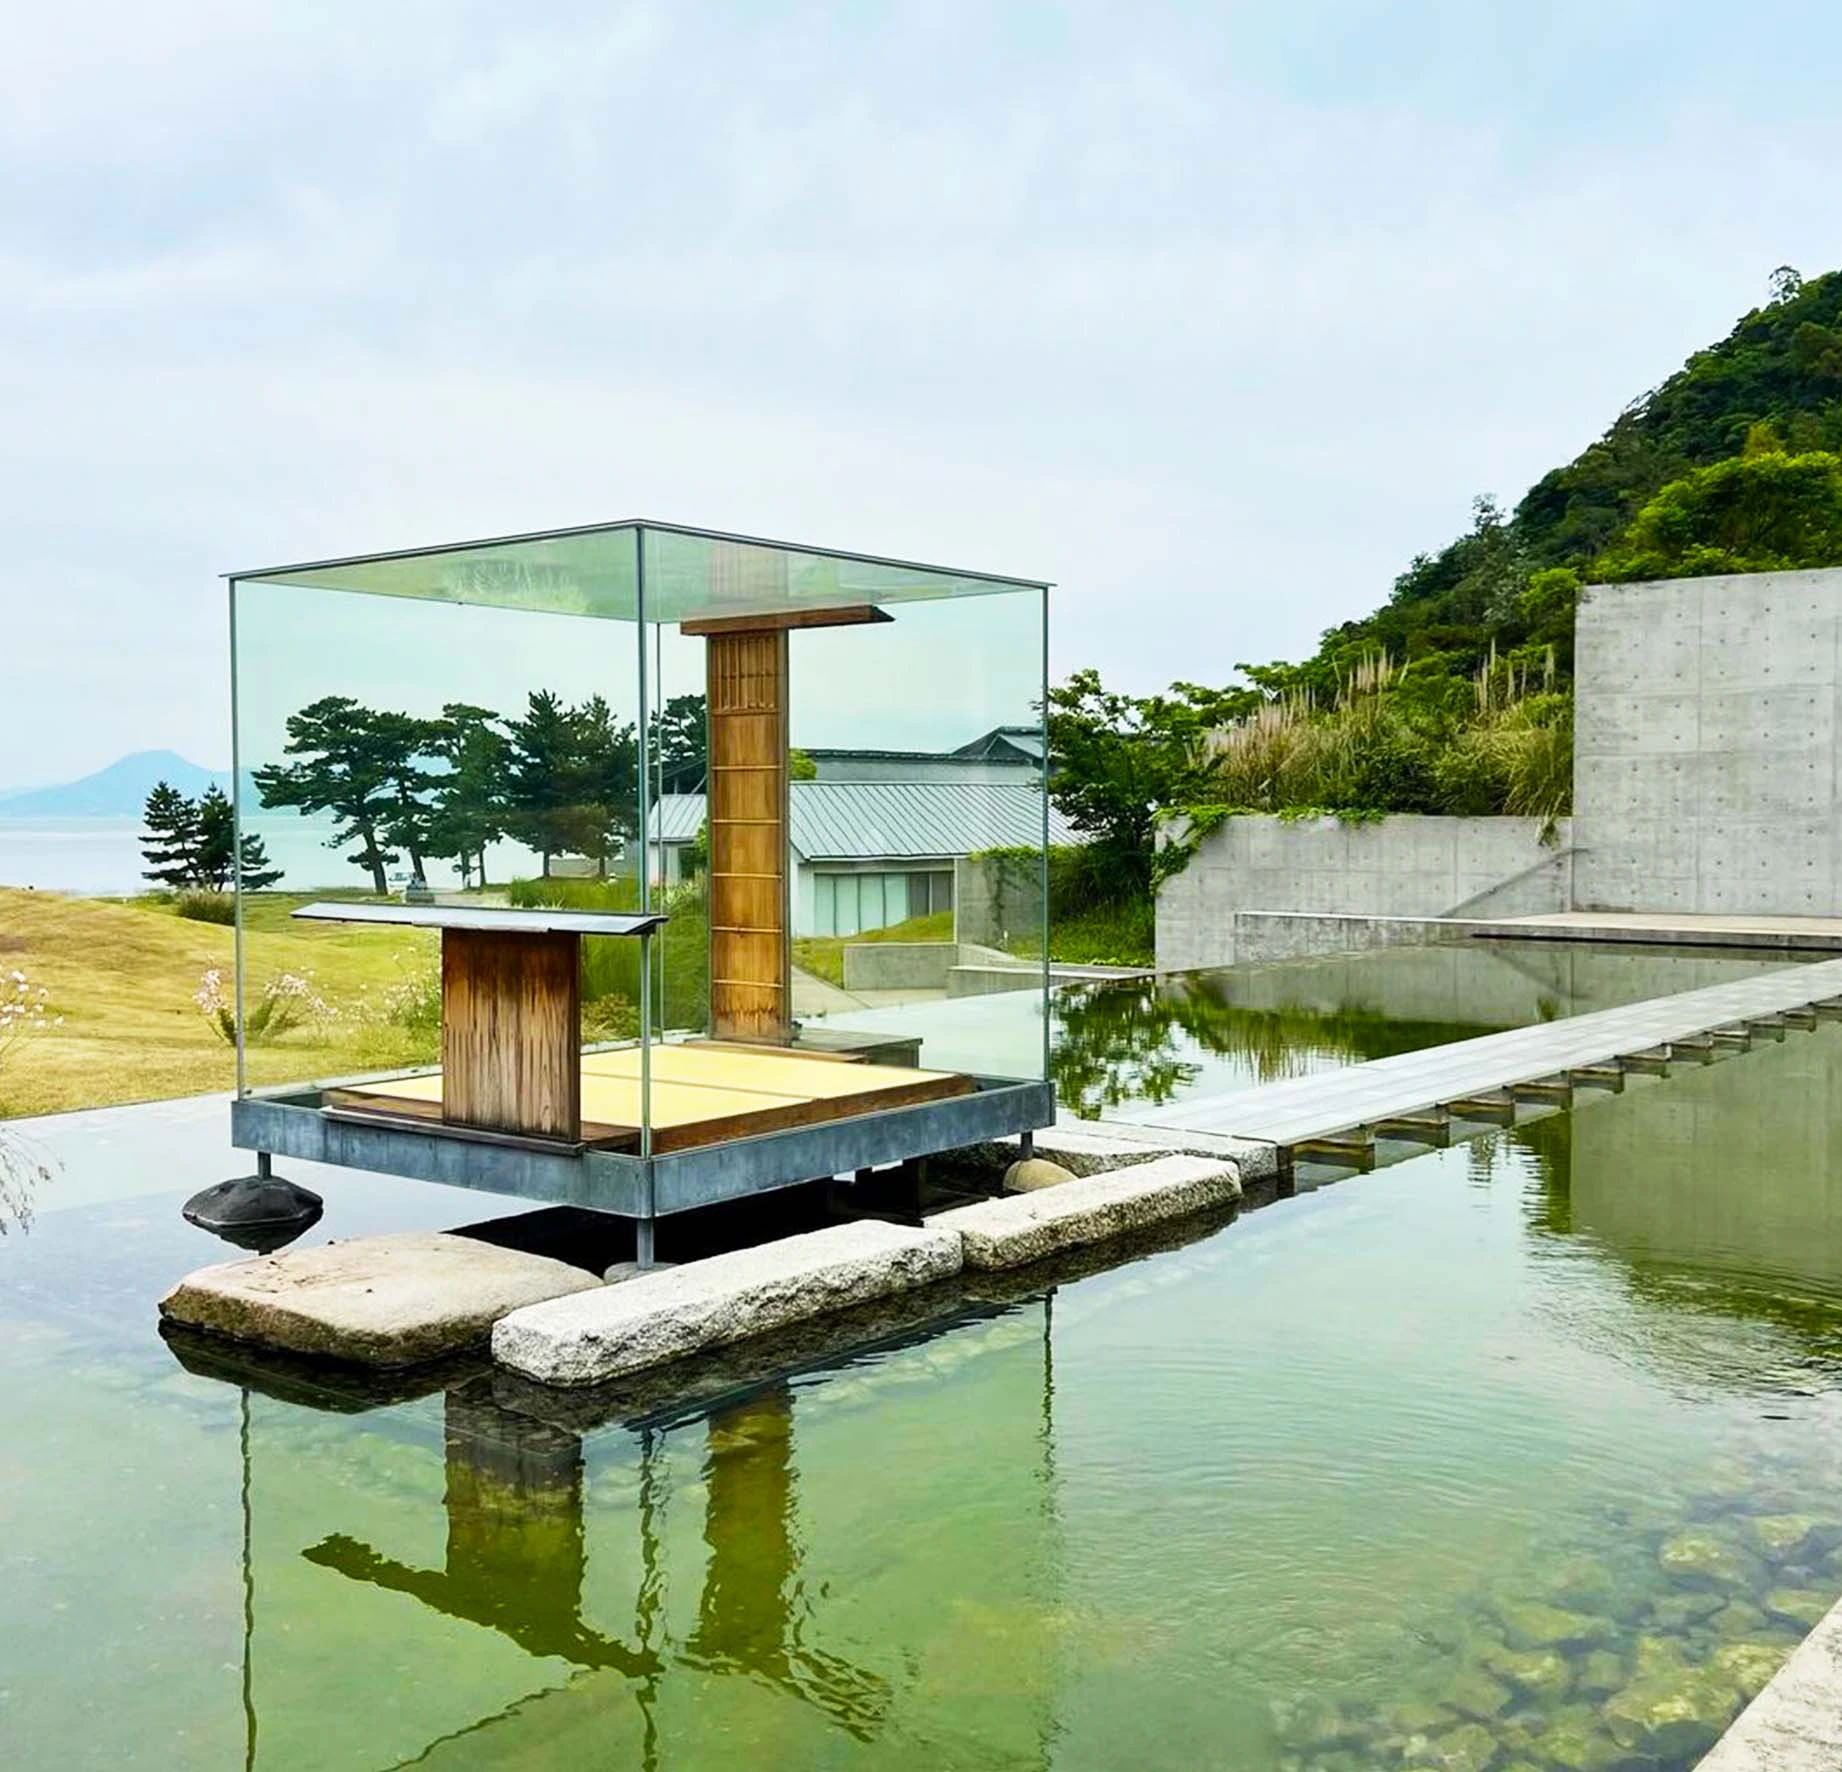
(1523, 1454)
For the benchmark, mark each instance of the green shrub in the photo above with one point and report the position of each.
(206, 907)
(611, 963)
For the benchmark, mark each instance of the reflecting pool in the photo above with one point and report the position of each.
(1139, 1042)
(1524, 1453)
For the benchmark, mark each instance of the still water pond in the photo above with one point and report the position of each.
(1523, 1454)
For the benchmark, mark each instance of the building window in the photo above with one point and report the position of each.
(851, 904)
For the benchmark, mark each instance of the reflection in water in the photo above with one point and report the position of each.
(23, 1171)
(1139, 1042)
(515, 1558)
(1718, 1193)
(515, 1562)
(1145, 1043)
(751, 1619)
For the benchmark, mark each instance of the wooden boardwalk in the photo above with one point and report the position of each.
(1417, 1096)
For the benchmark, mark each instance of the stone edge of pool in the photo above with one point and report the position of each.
(1795, 1723)
(589, 1337)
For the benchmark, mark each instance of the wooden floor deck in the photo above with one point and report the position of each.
(699, 1093)
(1414, 1095)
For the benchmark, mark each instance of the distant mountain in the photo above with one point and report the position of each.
(119, 790)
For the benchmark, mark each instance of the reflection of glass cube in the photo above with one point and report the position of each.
(782, 751)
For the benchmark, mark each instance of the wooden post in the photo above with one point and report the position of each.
(751, 957)
(511, 1031)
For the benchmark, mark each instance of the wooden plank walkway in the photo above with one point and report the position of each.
(1387, 1096)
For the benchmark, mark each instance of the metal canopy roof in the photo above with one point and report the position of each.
(611, 570)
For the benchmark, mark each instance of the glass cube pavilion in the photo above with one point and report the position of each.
(645, 790)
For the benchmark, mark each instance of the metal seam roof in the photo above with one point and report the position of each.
(898, 820)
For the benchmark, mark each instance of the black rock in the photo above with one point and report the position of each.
(259, 1212)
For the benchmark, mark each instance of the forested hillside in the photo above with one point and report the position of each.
(1455, 696)
(1775, 380)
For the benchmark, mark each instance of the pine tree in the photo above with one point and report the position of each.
(470, 800)
(540, 788)
(216, 833)
(347, 767)
(170, 845)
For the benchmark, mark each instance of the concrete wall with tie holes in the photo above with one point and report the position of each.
(1708, 746)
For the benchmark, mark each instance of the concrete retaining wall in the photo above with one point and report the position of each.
(1708, 745)
(996, 899)
(1397, 867)
(916, 965)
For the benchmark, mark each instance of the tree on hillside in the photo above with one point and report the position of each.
(1760, 512)
(469, 810)
(1780, 367)
(170, 843)
(348, 767)
(217, 825)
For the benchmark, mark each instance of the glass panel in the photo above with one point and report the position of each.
(691, 575)
(582, 572)
(677, 772)
(393, 750)
(930, 728)
(592, 571)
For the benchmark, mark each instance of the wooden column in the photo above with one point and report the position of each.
(751, 957)
(511, 1031)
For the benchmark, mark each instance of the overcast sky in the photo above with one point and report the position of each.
(1215, 315)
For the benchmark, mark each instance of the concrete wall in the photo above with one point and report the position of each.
(996, 900)
(1397, 867)
(1708, 745)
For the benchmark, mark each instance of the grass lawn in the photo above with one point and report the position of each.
(122, 973)
(823, 955)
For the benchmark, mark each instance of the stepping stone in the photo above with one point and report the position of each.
(1025, 1227)
(667, 1313)
(393, 1300)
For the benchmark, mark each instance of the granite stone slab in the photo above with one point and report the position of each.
(665, 1314)
(394, 1300)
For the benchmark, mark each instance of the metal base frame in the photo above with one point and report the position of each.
(293, 1125)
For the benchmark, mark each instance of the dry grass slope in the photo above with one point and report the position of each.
(122, 975)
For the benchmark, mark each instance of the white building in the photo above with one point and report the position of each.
(867, 854)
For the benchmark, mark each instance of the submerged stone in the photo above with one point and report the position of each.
(1601, 1672)
(1541, 1673)
(1577, 1742)
(1415, 1716)
(1475, 1694)
(1701, 1556)
(1585, 1583)
(1531, 1624)
(1804, 1607)
(1468, 1748)
(1738, 1618)
(1783, 1538)
(1749, 1665)
(1672, 1710)
(1677, 1611)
